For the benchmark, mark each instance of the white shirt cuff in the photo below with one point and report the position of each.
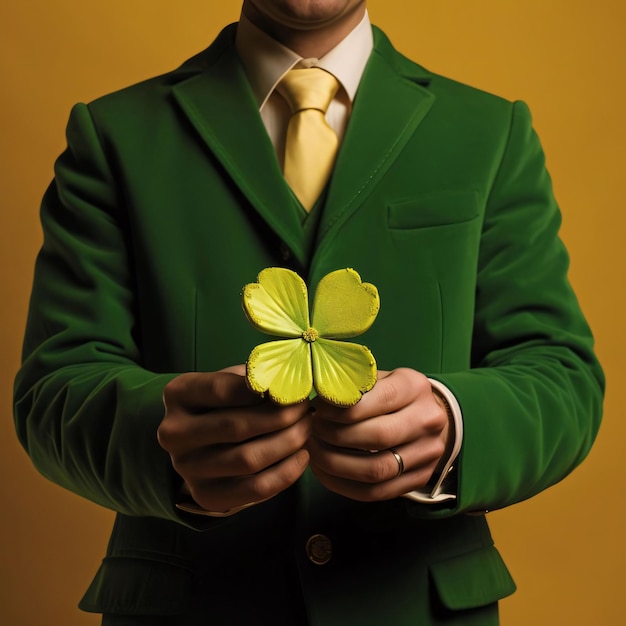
(438, 493)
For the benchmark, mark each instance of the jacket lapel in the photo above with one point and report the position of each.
(220, 106)
(389, 105)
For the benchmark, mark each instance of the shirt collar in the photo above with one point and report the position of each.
(266, 61)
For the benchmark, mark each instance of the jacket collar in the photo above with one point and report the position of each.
(219, 103)
(391, 101)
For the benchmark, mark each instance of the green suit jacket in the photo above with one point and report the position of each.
(168, 200)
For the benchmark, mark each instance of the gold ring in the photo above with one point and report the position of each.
(400, 462)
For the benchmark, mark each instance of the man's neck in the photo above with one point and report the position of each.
(308, 43)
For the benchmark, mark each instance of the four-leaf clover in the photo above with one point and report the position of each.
(311, 353)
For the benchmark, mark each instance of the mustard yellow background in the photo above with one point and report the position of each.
(566, 58)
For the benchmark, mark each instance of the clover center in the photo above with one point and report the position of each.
(310, 335)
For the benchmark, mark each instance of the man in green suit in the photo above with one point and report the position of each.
(232, 509)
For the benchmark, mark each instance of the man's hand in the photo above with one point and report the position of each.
(352, 449)
(230, 446)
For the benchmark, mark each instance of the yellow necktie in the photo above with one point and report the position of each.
(311, 144)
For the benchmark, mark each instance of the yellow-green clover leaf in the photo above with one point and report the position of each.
(311, 354)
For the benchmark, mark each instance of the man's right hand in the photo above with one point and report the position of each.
(230, 446)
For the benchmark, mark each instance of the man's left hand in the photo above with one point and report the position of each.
(352, 449)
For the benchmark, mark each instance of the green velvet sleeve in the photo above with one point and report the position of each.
(531, 402)
(86, 410)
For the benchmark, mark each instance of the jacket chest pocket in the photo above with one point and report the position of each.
(437, 240)
(439, 232)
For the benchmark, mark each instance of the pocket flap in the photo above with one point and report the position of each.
(138, 586)
(441, 209)
(471, 580)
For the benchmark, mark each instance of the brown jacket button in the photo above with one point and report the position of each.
(319, 549)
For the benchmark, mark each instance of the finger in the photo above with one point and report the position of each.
(198, 392)
(240, 369)
(356, 465)
(392, 391)
(246, 459)
(376, 433)
(180, 431)
(372, 492)
(385, 431)
(229, 493)
(375, 467)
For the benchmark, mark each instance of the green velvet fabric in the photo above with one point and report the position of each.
(168, 200)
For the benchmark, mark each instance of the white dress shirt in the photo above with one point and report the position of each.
(265, 62)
